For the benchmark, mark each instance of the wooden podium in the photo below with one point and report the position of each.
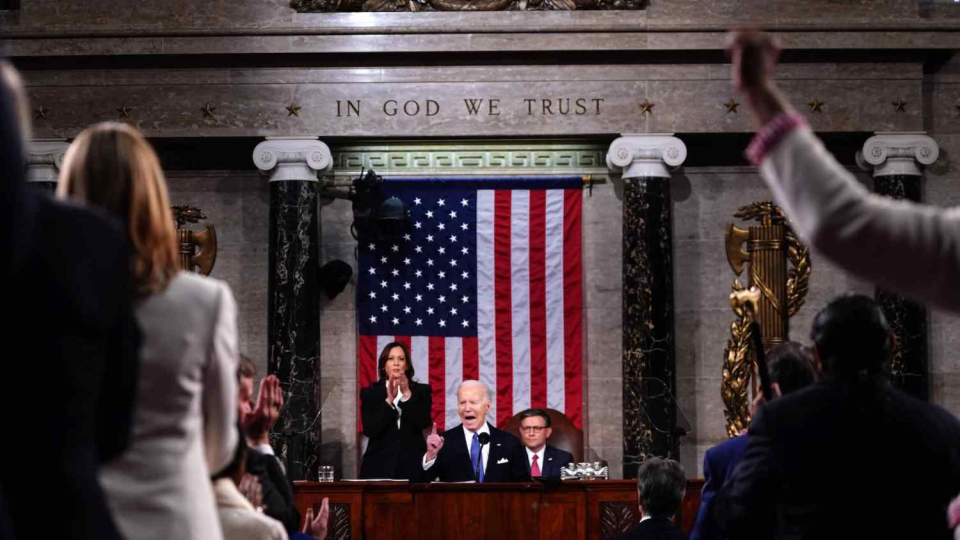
(591, 510)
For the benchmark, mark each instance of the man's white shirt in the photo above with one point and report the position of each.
(468, 435)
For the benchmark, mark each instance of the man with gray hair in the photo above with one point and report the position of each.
(661, 484)
(474, 450)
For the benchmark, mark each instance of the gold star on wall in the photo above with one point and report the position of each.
(958, 107)
(900, 105)
(208, 110)
(731, 106)
(647, 107)
(293, 110)
(124, 111)
(816, 105)
(41, 113)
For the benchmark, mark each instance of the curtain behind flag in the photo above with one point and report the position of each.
(487, 285)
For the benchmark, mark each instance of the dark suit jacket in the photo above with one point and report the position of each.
(844, 461)
(553, 460)
(394, 452)
(71, 342)
(653, 529)
(506, 461)
(278, 498)
(718, 465)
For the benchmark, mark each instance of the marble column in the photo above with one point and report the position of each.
(293, 305)
(895, 159)
(44, 159)
(649, 374)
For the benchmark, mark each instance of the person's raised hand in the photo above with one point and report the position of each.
(317, 526)
(754, 55)
(260, 421)
(434, 443)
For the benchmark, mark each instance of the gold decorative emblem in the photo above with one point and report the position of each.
(293, 110)
(647, 107)
(41, 112)
(900, 105)
(780, 292)
(198, 249)
(731, 106)
(816, 105)
(208, 110)
(124, 111)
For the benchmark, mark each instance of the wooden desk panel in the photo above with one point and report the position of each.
(571, 511)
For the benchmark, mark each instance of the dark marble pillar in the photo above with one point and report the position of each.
(293, 304)
(44, 158)
(649, 376)
(894, 159)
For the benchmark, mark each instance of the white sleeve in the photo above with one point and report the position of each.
(220, 385)
(428, 464)
(910, 248)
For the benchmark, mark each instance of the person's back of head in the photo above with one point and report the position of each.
(112, 166)
(791, 366)
(852, 338)
(661, 484)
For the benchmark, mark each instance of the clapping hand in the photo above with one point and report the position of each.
(251, 488)
(317, 526)
(434, 444)
(404, 385)
(754, 55)
(391, 391)
(257, 424)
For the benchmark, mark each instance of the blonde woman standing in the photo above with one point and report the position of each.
(186, 406)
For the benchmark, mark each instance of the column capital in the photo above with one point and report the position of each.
(646, 154)
(44, 159)
(893, 152)
(293, 158)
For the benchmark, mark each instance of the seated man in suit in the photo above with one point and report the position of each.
(543, 461)
(474, 450)
(661, 484)
(792, 367)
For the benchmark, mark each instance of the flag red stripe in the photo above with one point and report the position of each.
(471, 359)
(367, 353)
(572, 306)
(538, 298)
(503, 305)
(437, 363)
(405, 340)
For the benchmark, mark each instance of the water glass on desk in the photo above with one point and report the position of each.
(325, 473)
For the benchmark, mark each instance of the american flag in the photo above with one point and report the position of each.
(487, 284)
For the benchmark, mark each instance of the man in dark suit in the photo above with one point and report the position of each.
(661, 484)
(791, 367)
(543, 461)
(848, 457)
(474, 450)
(70, 346)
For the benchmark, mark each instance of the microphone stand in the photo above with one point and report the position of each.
(484, 439)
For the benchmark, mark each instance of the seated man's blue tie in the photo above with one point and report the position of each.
(476, 456)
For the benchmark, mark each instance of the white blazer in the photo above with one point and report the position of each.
(238, 518)
(184, 422)
(906, 247)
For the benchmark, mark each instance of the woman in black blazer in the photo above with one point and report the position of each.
(395, 410)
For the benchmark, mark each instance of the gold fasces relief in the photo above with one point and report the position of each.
(198, 249)
(776, 292)
(342, 6)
